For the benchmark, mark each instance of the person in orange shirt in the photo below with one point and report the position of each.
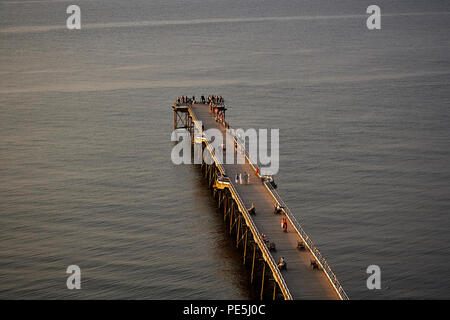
(284, 224)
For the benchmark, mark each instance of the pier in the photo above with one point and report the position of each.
(259, 236)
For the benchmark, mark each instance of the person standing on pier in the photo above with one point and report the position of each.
(237, 178)
(252, 210)
(282, 264)
(284, 224)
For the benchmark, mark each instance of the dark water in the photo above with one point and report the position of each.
(85, 124)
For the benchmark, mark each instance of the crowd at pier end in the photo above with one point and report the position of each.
(211, 100)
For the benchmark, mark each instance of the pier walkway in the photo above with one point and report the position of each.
(308, 275)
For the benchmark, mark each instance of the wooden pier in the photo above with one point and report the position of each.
(308, 275)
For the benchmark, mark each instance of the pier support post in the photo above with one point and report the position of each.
(225, 213)
(262, 280)
(274, 289)
(253, 263)
(174, 119)
(231, 218)
(209, 175)
(245, 244)
(225, 202)
(238, 231)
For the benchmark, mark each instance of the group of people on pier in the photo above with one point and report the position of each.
(217, 100)
(185, 99)
(242, 178)
(219, 112)
(211, 100)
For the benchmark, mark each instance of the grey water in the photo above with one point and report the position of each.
(85, 124)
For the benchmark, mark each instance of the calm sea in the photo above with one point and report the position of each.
(85, 124)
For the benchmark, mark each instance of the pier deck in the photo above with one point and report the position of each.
(302, 281)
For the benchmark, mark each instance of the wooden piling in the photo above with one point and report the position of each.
(245, 245)
(238, 231)
(262, 280)
(253, 263)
